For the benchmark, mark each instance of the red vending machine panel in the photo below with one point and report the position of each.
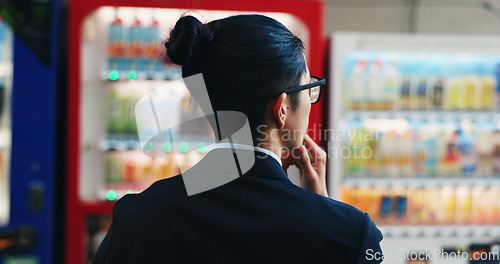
(115, 60)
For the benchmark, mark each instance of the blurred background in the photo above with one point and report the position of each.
(410, 117)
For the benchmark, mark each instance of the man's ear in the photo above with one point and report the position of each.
(279, 110)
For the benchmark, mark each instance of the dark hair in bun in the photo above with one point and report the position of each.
(186, 39)
(243, 59)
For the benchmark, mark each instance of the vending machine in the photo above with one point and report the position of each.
(414, 140)
(115, 58)
(29, 228)
(5, 126)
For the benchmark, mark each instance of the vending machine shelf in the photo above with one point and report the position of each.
(166, 74)
(422, 182)
(440, 231)
(425, 115)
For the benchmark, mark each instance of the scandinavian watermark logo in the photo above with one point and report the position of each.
(160, 126)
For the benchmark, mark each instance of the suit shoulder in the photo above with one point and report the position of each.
(337, 210)
(349, 209)
(156, 189)
(170, 187)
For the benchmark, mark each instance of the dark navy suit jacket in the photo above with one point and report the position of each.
(261, 217)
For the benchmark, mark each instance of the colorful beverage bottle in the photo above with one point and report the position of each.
(128, 114)
(495, 157)
(136, 47)
(386, 205)
(467, 154)
(431, 159)
(463, 205)
(392, 164)
(484, 150)
(374, 86)
(113, 173)
(421, 102)
(471, 88)
(454, 90)
(130, 170)
(404, 155)
(497, 89)
(447, 206)
(452, 101)
(391, 80)
(432, 206)
(153, 47)
(487, 89)
(416, 206)
(116, 45)
(114, 103)
(437, 94)
(440, 151)
(419, 155)
(148, 172)
(358, 86)
(404, 95)
(451, 167)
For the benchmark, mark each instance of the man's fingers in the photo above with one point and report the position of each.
(317, 153)
(304, 162)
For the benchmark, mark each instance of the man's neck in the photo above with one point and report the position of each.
(270, 141)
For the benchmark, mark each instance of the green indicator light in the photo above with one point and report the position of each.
(132, 75)
(166, 147)
(111, 195)
(184, 147)
(129, 192)
(113, 75)
(148, 147)
(202, 147)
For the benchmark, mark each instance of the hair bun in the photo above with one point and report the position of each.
(186, 39)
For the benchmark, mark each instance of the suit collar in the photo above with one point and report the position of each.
(264, 166)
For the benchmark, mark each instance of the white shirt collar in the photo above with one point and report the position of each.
(247, 147)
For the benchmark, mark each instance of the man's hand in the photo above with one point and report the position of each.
(311, 161)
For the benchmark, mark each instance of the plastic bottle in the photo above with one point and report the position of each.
(130, 169)
(136, 47)
(404, 96)
(114, 126)
(463, 205)
(393, 157)
(497, 88)
(430, 169)
(391, 81)
(467, 154)
(484, 148)
(385, 155)
(358, 86)
(375, 89)
(404, 149)
(447, 206)
(416, 205)
(422, 94)
(148, 173)
(116, 45)
(440, 151)
(355, 163)
(495, 157)
(113, 173)
(437, 94)
(153, 46)
(419, 155)
(453, 89)
(487, 89)
(471, 90)
(451, 158)
(128, 115)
